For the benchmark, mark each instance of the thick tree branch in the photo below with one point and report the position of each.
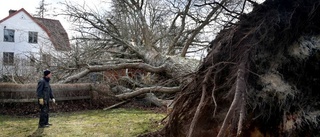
(148, 89)
(99, 68)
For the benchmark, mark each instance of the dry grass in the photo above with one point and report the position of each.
(112, 123)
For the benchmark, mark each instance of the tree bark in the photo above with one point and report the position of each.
(99, 68)
(148, 89)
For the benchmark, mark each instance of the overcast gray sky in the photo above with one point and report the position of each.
(31, 5)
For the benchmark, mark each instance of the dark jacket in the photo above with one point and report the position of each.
(44, 90)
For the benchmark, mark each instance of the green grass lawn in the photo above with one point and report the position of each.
(93, 123)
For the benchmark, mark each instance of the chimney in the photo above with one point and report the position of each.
(12, 11)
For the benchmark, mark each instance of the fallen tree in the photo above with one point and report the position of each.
(261, 77)
(131, 37)
(100, 68)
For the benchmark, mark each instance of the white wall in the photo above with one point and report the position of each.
(22, 49)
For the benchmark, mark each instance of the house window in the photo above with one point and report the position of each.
(8, 58)
(33, 37)
(8, 35)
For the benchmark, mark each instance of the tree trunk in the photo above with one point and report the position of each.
(174, 66)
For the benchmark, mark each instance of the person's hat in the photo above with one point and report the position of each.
(46, 72)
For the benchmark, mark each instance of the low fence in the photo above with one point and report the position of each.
(10, 93)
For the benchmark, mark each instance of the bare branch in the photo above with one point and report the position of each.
(99, 68)
(183, 23)
(116, 105)
(148, 89)
(198, 29)
(220, 5)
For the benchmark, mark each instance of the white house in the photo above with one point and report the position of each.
(25, 39)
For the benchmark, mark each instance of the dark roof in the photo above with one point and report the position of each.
(53, 28)
(56, 32)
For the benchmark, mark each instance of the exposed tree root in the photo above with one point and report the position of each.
(240, 88)
(196, 115)
(272, 89)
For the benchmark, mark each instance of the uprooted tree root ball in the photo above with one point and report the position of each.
(261, 77)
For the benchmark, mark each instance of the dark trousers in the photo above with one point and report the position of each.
(44, 114)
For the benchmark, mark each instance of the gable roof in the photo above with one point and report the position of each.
(57, 34)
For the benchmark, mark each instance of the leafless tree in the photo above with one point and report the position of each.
(42, 9)
(152, 35)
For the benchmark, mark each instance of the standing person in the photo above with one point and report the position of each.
(44, 93)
